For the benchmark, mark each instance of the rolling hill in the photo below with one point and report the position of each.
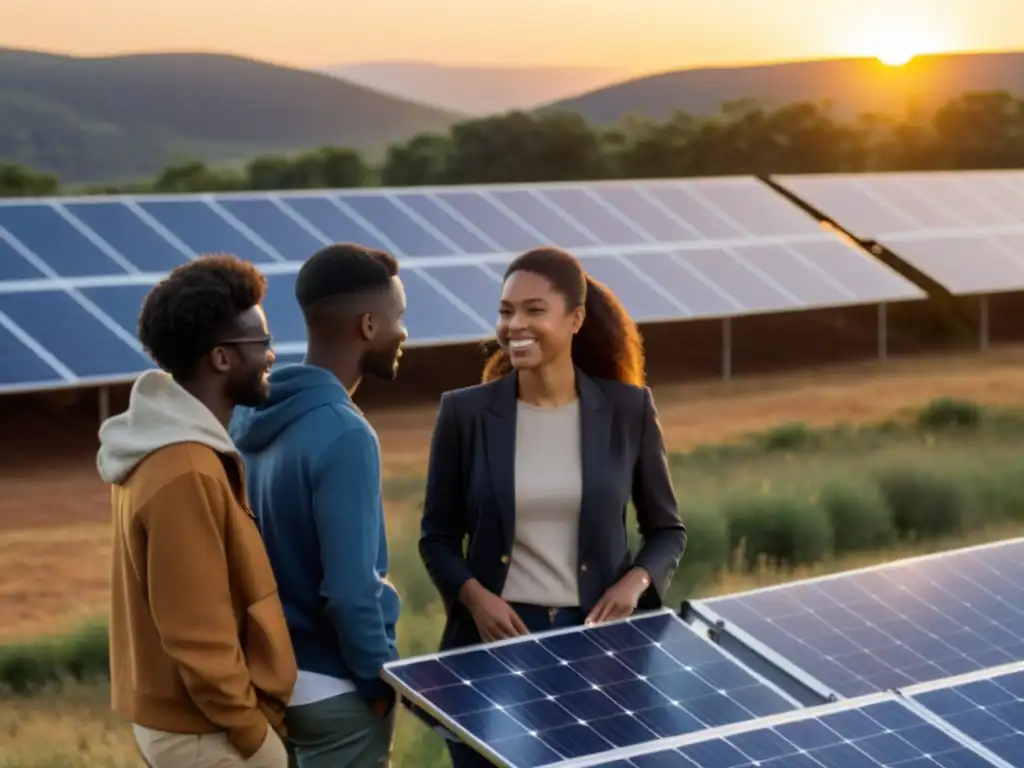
(853, 86)
(476, 90)
(124, 117)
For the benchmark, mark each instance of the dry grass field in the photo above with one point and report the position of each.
(53, 536)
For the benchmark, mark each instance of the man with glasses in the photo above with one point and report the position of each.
(200, 658)
(314, 474)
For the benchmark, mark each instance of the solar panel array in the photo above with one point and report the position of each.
(916, 663)
(964, 230)
(73, 272)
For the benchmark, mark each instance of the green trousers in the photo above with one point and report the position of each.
(339, 732)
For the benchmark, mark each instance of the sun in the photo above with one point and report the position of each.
(896, 44)
(895, 57)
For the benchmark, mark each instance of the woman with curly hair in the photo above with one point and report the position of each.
(536, 465)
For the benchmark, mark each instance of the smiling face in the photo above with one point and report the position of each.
(385, 333)
(245, 358)
(535, 323)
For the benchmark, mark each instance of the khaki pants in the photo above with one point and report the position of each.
(161, 749)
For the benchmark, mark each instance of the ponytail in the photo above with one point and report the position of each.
(608, 344)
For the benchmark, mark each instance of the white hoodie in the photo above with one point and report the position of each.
(160, 413)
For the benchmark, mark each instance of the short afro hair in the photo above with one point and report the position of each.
(185, 313)
(343, 270)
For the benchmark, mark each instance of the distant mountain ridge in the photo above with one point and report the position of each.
(124, 116)
(853, 85)
(476, 90)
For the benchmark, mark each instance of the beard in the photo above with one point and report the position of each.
(250, 390)
(381, 364)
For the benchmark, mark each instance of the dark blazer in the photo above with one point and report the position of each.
(471, 492)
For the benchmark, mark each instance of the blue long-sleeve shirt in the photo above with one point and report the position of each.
(314, 482)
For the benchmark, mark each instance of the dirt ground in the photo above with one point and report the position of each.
(53, 536)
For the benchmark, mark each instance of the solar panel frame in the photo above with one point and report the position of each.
(392, 674)
(703, 613)
(624, 758)
(921, 697)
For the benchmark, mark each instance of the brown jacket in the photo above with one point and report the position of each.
(198, 640)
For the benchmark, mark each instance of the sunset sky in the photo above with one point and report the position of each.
(634, 35)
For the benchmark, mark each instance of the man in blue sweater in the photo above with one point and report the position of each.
(314, 482)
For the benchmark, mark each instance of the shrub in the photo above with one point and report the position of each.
(794, 436)
(784, 532)
(80, 656)
(923, 503)
(707, 549)
(859, 516)
(947, 413)
(995, 491)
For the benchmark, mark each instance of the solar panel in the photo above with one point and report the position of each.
(670, 249)
(567, 694)
(963, 229)
(988, 709)
(877, 731)
(888, 626)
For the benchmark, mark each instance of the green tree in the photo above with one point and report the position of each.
(422, 160)
(196, 176)
(18, 181)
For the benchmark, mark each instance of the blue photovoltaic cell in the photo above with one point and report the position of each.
(279, 230)
(647, 214)
(330, 220)
(990, 711)
(408, 236)
(129, 235)
(19, 365)
(284, 318)
(458, 232)
(563, 695)
(552, 226)
(758, 210)
(598, 219)
(430, 316)
(703, 218)
(203, 229)
(71, 334)
(753, 292)
(50, 237)
(484, 215)
(893, 626)
(794, 271)
(14, 266)
(641, 299)
(885, 733)
(473, 285)
(121, 302)
(694, 290)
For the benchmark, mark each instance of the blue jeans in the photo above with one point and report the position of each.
(536, 619)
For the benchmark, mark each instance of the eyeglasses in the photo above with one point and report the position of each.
(264, 341)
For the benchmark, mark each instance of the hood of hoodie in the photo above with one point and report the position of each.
(295, 390)
(160, 413)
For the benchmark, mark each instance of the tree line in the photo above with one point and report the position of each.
(977, 130)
